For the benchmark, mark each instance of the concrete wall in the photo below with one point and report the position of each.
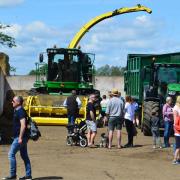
(2, 86)
(104, 84)
(19, 82)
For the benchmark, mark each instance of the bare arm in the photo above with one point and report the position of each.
(22, 129)
(92, 115)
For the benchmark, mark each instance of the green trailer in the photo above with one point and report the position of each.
(149, 79)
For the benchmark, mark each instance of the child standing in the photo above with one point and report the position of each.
(155, 124)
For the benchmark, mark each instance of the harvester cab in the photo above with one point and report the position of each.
(63, 71)
(66, 69)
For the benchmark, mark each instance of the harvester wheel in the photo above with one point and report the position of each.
(83, 142)
(149, 106)
(69, 141)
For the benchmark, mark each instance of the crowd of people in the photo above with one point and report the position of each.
(116, 112)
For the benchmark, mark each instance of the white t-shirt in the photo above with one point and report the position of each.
(129, 111)
(104, 103)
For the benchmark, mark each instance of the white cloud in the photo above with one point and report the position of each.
(7, 3)
(110, 41)
(31, 39)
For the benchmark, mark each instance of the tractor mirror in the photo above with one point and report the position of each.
(41, 58)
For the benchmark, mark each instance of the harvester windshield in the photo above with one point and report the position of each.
(64, 65)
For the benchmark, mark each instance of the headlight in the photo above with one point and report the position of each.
(172, 93)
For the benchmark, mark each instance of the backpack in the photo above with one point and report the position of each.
(32, 129)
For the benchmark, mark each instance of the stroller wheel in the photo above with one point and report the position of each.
(83, 142)
(69, 141)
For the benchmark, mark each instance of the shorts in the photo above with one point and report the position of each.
(115, 122)
(91, 126)
(177, 138)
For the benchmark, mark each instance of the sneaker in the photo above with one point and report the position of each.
(26, 178)
(9, 177)
(128, 145)
(154, 147)
(165, 146)
(175, 162)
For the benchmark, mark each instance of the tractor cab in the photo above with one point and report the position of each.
(66, 69)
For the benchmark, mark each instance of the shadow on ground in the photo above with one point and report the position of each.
(48, 177)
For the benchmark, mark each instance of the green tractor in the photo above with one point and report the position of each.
(149, 79)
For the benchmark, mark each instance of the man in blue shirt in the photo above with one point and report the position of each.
(20, 140)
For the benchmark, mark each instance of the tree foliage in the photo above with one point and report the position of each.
(41, 70)
(5, 39)
(13, 69)
(107, 70)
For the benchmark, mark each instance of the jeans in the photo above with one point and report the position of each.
(15, 147)
(71, 119)
(168, 126)
(156, 137)
(129, 128)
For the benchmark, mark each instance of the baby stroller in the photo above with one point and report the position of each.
(76, 134)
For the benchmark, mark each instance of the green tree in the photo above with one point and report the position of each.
(104, 71)
(115, 71)
(107, 70)
(13, 69)
(41, 70)
(6, 39)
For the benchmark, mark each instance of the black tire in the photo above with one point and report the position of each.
(149, 106)
(83, 142)
(69, 141)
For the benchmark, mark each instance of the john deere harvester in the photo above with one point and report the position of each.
(150, 79)
(66, 69)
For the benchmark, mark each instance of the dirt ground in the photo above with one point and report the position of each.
(52, 159)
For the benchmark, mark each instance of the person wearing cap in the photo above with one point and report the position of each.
(114, 113)
(168, 121)
(19, 143)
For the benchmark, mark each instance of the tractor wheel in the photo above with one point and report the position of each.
(149, 106)
(83, 142)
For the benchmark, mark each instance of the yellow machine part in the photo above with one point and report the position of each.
(49, 110)
(94, 21)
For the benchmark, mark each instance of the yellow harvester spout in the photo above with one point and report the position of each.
(94, 21)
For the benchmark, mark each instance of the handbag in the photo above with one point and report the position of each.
(134, 130)
(32, 130)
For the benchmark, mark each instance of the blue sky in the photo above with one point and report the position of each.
(39, 24)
